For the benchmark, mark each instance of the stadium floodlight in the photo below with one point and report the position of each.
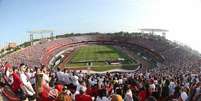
(153, 30)
(40, 32)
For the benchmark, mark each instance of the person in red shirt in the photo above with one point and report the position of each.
(89, 91)
(82, 96)
(59, 87)
(17, 83)
(7, 65)
(142, 94)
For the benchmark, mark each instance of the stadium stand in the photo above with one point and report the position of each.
(175, 76)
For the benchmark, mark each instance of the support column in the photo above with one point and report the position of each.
(31, 38)
(52, 36)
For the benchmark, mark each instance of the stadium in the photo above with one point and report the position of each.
(123, 50)
(100, 50)
(102, 53)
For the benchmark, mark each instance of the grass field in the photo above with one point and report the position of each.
(97, 55)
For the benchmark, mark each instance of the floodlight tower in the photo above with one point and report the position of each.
(152, 31)
(40, 32)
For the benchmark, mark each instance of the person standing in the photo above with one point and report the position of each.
(82, 96)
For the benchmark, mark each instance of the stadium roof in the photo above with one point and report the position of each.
(154, 30)
(40, 31)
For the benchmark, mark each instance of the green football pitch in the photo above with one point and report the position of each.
(99, 58)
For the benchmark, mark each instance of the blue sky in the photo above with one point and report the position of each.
(181, 17)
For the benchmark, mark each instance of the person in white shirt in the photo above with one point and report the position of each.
(27, 87)
(66, 78)
(59, 75)
(75, 80)
(30, 75)
(152, 87)
(128, 95)
(171, 86)
(120, 81)
(33, 78)
(102, 96)
(9, 77)
(183, 95)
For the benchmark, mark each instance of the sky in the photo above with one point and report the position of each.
(181, 17)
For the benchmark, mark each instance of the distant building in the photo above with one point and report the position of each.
(12, 45)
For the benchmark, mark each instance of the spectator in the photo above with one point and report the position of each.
(82, 96)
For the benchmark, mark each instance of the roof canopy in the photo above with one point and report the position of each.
(154, 30)
(40, 31)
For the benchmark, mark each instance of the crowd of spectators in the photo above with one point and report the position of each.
(159, 84)
(38, 53)
(172, 52)
(176, 79)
